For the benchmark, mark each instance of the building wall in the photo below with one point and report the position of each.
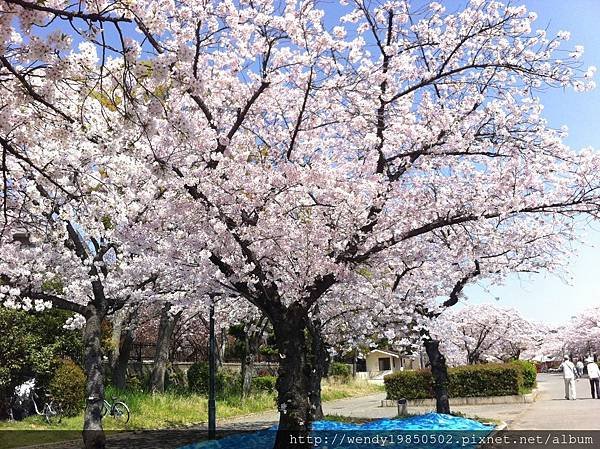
(396, 364)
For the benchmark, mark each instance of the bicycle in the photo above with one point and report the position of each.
(118, 410)
(52, 412)
(20, 405)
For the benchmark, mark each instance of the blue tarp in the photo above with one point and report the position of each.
(428, 431)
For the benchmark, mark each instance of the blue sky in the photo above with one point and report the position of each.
(547, 297)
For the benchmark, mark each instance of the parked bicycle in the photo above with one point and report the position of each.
(25, 396)
(118, 410)
(52, 411)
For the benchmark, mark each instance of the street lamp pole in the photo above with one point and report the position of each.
(212, 346)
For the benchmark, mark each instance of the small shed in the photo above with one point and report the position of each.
(386, 362)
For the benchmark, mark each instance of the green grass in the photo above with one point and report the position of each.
(477, 418)
(331, 391)
(160, 411)
(347, 419)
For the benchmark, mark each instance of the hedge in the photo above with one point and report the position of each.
(409, 385)
(529, 373)
(493, 379)
(485, 380)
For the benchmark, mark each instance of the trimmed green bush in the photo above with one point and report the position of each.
(491, 379)
(264, 383)
(529, 372)
(409, 385)
(340, 370)
(67, 387)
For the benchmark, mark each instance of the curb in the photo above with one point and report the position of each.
(499, 428)
(482, 400)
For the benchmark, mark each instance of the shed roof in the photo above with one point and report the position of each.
(391, 354)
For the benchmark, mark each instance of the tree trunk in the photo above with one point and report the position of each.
(319, 362)
(222, 348)
(122, 362)
(248, 363)
(248, 371)
(439, 371)
(293, 380)
(472, 357)
(167, 325)
(251, 346)
(125, 321)
(93, 433)
(118, 322)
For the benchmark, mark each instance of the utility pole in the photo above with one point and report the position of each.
(212, 373)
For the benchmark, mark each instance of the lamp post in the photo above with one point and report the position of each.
(212, 374)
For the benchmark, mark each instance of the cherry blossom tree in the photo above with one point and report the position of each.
(406, 312)
(281, 158)
(484, 332)
(580, 336)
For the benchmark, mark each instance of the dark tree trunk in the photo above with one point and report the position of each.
(439, 371)
(122, 362)
(222, 348)
(319, 366)
(293, 380)
(93, 433)
(126, 322)
(168, 321)
(247, 372)
(119, 319)
(251, 345)
(472, 357)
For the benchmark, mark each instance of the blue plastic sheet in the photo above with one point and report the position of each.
(430, 431)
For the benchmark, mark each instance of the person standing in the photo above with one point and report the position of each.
(569, 373)
(594, 376)
(579, 366)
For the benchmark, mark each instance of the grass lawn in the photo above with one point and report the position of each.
(161, 411)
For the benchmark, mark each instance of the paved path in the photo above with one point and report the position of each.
(552, 412)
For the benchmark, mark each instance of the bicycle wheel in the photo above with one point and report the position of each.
(121, 412)
(51, 413)
(58, 410)
(105, 408)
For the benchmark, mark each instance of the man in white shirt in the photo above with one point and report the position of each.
(569, 370)
(579, 366)
(594, 376)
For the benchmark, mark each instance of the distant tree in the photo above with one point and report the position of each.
(476, 333)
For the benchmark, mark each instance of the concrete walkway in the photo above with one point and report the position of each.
(552, 412)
